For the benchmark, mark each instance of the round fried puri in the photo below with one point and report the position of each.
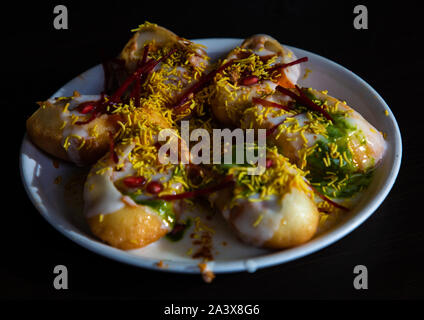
(289, 75)
(130, 227)
(45, 130)
(284, 218)
(299, 221)
(229, 101)
(134, 49)
(294, 221)
(365, 155)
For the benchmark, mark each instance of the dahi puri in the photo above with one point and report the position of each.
(189, 56)
(153, 35)
(296, 132)
(288, 217)
(234, 92)
(114, 217)
(66, 128)
(55, 129)
(120, 193)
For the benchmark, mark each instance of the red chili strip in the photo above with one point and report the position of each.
(267, 103)
(113, 155)
(323, 197)
(313, 105)
(335, 204)
(199, 85)
(225, 183)
(285, 65)
(146, 68)
(145, 53)
(135, 93)
(272, 129)
(304, 100)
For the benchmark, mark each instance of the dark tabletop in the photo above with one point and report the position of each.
(37, 60)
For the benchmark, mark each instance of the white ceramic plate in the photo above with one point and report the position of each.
(60, 204)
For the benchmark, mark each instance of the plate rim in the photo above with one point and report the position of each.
(239, 265)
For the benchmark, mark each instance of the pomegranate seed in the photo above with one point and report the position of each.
(248, 81)
(87, 109)
(154, 187)
(134, 182)
(98, 107)
(269, 163)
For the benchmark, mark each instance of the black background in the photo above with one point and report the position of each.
(37, 60)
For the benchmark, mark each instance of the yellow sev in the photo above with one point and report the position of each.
(137, 128)
(67, 142)
(274, 181)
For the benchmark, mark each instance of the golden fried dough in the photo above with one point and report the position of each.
(134, 49)
(129, 227)
(45, 129)
(299, 221)
(233, 95)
